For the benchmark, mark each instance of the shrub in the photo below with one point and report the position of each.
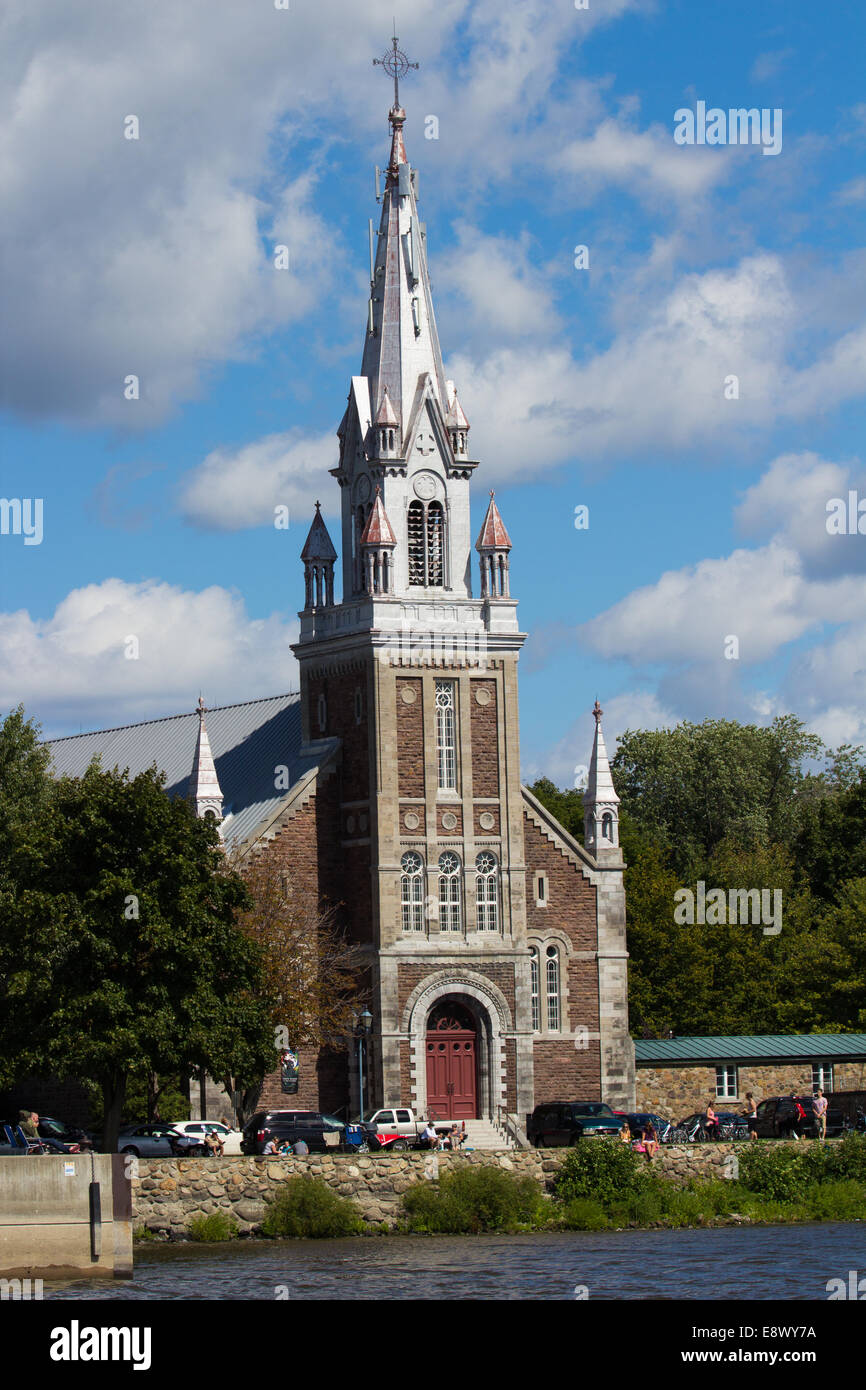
(144, 1233)
(218, 1226)
(847, 1159)
(603, 1169)
(783, 1172)
(584, 1214)
(308, 1207)
(475, 1199)
(843, 1200)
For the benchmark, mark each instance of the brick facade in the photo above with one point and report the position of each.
(410, 737)
(485, 739)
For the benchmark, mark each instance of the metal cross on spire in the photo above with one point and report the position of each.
(396, 64)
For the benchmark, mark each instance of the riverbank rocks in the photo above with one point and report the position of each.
(168, 1193)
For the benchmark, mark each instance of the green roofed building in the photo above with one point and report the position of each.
(679, 1075)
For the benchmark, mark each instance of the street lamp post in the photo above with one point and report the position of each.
(363, 1027)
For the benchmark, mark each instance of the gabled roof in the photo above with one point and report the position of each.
(378, 530)
(493, 534)
(249, 741)
(801, 1047)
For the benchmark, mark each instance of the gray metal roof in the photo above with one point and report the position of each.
(249, 741)
(804, 1047)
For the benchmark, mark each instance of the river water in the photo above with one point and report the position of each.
(767, 1262)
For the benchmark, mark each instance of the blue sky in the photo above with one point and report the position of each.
(602, 386)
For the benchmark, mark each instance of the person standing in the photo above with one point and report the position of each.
(798, 1117)
(752, 1115)
(819, 1109)
(711, 1124)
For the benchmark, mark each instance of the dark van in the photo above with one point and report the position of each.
(848, 1109)
(559, 1124)
(292, 1125)
(319, 1132)
(776, 1118)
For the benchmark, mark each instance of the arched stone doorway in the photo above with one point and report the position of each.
(489, 1010)
(452, 1062)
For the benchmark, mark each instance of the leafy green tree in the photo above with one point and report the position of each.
(697, 784)
(24, 782)
(831, 845)
(566, 806)
(120, 951)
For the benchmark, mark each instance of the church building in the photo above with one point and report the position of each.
(389, 786)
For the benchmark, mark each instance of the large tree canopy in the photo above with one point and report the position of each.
(119, 948)
(740, 807)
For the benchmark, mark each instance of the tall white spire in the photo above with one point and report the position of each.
(404, 429)
(204, 792)
(600, 801)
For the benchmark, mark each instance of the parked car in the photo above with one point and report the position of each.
(846, 1110)
(395, 1123)
(560, 1124)
(14, 1138)
(197, 1131)
(156, 1140)
(775, 1117)
(638, 1119)
(732, 1125)
(319, 1132)
(66, 1134)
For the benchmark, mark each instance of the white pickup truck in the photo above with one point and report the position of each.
(405, 1124)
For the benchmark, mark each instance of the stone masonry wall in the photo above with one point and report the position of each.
(169, 1193)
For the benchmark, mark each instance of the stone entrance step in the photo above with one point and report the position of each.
(484, 1134)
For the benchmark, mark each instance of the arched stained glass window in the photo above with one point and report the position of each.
(412, 891)
(446, 735)
(487, 891)
(534, 989)
(552, 982)
(450, 916)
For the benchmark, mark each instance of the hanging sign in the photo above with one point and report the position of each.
(289, 1072)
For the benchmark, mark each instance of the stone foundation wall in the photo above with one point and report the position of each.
(169, 1193)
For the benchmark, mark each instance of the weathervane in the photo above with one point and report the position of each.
(396, 64)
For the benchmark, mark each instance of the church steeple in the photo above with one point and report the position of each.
(600, 801)
(401, 347)
(204, 792)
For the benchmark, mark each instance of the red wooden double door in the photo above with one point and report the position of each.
(451, 1067)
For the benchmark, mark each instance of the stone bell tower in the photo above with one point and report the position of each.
(412, 674)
